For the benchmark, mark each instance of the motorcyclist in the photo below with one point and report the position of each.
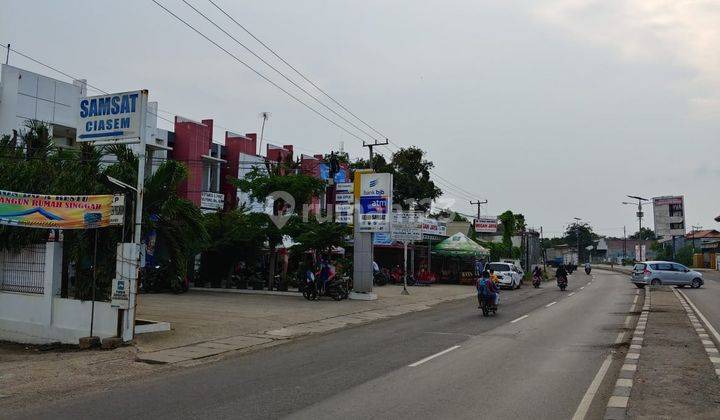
(486, 289)
(537, 272)
(587, 267)
(561, 273)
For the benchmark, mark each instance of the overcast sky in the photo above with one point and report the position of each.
(555, 108)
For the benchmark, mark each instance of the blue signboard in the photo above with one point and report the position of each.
(325, 173)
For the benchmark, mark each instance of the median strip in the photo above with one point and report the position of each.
(617, 405)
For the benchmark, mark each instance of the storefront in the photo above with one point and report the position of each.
(459, 259)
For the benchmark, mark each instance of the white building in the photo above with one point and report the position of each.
(669, 215)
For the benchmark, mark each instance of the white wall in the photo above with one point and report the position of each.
(44, 318)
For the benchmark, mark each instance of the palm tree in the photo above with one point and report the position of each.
(177, 222)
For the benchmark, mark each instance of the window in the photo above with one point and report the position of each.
(498, 267)
(640, 267)
(677, 226)
(676, 210)
(665, 267)
(654, 266)
(679, 267)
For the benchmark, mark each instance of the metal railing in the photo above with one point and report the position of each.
(23, 271)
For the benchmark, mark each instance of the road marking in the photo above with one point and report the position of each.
(582, 287)
(519, 319)
(421, 361)
(592, 390)
(550, 304)
(635, 300)
(709, 326)
(571, 294)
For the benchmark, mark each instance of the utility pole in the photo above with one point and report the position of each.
(624, 243)
(577, 236)
(694, 232)
(542, 250)
(370, 148)
(265, 116)
(478, 203)
(7, 56)
(640, 202)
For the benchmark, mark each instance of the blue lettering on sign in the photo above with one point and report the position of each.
(109, 105)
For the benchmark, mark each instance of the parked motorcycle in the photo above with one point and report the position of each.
(381, 278)
(336, 288)
(562, 283)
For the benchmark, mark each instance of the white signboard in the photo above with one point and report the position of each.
(433, 227)
(120, 294)
(344, 187)
(343, 208)
(212, 200)
(486, 224)
(117, 210)
(113, 116)
(344, 198)
(407, 226)
(344, 218)
(375, 192)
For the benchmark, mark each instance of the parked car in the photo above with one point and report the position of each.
(665, 272)
(509, 274)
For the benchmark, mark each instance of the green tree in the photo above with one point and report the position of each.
(584, 232)
(644, 234)
(411, 179)
(263, 185)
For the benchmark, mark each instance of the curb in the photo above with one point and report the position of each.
(616, 408)
(705, 339)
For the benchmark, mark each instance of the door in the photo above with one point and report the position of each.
(665, 273)
(682, 274)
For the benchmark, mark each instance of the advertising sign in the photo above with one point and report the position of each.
(60, 211)
(325, 174)
(486, 224)
(212, 200)
(375, 192)
(433, 227)
(639, 252)
(344, 188)
(407, 226)
(114, 116)
(382, 238)
(344, 198)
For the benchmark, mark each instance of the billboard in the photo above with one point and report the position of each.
(114, 116)
(669, 216)
(60, 211)
(486, 224)
(375, 202)
(407, 226)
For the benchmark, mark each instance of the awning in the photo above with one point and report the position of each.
(460, 245)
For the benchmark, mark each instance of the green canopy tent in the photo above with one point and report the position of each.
(462, 248)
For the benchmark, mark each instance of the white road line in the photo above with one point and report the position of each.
(421, 361)
(582, 287)
(519, 319)
(707, 323)
(571, 294)
(592, 390)
(550, 304)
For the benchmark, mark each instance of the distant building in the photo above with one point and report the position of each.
(615, 250)
(669, 216)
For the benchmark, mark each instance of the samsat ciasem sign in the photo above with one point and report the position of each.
(113, 116)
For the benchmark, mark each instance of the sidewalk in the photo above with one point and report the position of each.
(675, 375)
(210, 323)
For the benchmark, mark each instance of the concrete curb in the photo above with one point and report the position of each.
(708, 344)
(616, 408)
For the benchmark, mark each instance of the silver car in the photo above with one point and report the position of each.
(665, 272)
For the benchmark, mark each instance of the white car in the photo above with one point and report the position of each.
(509, 274)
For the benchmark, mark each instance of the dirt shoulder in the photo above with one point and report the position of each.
(675, 378)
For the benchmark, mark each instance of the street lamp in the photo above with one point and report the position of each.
(577, 236)
(640, 202)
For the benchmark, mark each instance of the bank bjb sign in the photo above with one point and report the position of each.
(114, 116)
(375, 193)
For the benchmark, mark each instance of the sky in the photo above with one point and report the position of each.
(552, 108)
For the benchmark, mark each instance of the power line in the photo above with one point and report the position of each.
(275, 69)
(295, 69)
(256, 71)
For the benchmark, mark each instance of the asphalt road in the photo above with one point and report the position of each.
(707, 297)
(535, 359)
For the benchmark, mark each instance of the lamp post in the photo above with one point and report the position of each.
(640, 202)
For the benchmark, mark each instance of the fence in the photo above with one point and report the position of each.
(23, 271)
